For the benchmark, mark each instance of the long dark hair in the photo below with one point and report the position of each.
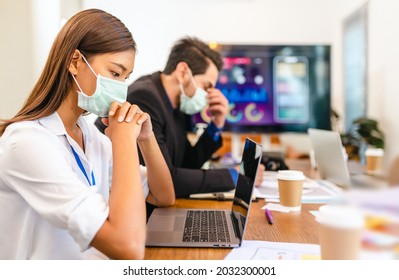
(90, 31)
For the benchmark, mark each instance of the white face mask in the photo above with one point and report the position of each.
(107, 91)
(194, 104)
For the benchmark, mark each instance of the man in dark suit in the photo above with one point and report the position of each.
(186, 86)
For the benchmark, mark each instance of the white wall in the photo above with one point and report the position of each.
(384, 70)
(16, 71)
(27, 28)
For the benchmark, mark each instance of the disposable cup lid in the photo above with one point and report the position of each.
(374, 152)
(340, 216)
(290, 175)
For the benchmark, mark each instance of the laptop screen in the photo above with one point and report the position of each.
(331, 164)
(246, 179)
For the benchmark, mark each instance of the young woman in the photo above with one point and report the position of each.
(56, 170)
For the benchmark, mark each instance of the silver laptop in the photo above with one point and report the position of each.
(177, 227)
(333, 166)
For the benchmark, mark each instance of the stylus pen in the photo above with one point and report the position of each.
(269, 217)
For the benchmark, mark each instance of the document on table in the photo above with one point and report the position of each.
(313, 191)
(264, 250)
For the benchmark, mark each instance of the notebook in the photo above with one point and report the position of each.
(333, 166)
(178, 227)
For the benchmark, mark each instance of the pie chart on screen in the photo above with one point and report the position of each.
(252, 113)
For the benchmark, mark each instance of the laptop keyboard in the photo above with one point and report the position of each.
(206, 226)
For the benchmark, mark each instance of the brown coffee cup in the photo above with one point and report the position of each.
(290, 184)
(374, 159)
(340, 229)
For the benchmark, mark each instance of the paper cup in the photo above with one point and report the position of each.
(290, 184)
(374, 159)
(340, 229)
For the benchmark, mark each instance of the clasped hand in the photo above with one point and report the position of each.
(128, 116)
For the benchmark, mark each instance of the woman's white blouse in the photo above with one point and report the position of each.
(48, 208)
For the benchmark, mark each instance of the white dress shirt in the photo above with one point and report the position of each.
(49, 210)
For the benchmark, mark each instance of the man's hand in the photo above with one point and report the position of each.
(259, 175)
(218, 106)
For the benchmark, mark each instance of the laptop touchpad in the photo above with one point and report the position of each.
(161, 223)
(179, 223)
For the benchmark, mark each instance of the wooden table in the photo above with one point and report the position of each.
(297, 227)
(293, 227)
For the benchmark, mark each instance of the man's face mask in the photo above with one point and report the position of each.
(107, 91)
(194, 104)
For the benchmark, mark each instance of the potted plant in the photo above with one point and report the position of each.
(364, 132)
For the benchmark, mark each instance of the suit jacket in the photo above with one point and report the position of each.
(169, 126)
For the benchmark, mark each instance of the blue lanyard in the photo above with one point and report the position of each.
(80, 164)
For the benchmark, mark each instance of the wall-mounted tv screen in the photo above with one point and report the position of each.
(274, 88)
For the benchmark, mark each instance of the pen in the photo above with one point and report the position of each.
(268, 215)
